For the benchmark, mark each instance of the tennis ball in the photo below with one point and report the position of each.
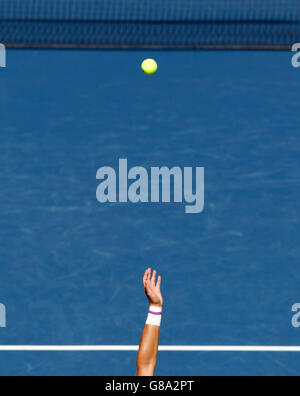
(149, 66)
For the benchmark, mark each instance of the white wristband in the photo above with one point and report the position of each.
(154, 316)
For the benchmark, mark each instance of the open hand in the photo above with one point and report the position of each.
(152, 288)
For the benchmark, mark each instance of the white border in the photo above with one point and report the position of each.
(128, 348)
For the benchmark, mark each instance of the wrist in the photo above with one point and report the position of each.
(154, 315)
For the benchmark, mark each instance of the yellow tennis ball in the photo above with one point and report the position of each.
(149, 66)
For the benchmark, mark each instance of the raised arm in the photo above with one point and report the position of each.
(147, 356)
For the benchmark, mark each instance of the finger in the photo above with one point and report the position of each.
(145, 277)
(153, 278)
(158, 282)
(149, 274)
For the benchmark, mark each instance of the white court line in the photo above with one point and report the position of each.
(163, 348)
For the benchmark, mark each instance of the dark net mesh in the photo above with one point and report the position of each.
(150, 23)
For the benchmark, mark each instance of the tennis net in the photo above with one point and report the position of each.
(150, 23)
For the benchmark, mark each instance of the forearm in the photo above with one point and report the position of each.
(147, 356)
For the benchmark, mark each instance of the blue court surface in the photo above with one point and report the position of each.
(71, 267)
